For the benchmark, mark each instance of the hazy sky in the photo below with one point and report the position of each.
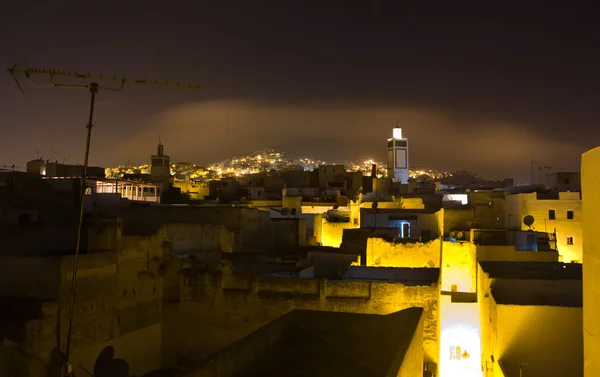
(480, 88)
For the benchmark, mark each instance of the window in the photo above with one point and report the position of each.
(355, 221)
(569, 240)
(566, 181)
(551, 214)
(570, 215)
(258, 193)
(455, 353)
(24, 218)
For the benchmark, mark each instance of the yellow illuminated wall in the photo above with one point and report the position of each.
(459, 266)
(590, 186)
(332, 232)
(460, 339)
(569, 231)
(382, 253)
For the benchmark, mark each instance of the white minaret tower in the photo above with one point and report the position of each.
(397, 156)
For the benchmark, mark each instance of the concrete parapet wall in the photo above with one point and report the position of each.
(382, 253)
(216, 311)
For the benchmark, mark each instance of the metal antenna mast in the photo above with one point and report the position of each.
(93, 88)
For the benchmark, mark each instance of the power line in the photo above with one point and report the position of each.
(93, 88)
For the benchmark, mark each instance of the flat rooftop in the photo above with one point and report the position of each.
(535, 283)
(404, 275)
(532, 270)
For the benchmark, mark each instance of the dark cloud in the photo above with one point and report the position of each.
(477, 87)
(208, 131)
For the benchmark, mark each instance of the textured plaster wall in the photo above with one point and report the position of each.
(218, 310)
(489, 327)
(590, 181)
(457, 218)
(332, 232)
(200, 239)
(382, 253)
(459, 266)
(29, 277)
(118, 302)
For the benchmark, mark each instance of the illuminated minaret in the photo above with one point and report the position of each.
(160, 170)
(397, 156)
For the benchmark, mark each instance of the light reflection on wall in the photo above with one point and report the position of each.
(460, 352)
(460, 338)
(462, 198)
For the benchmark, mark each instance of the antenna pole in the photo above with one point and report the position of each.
(93, 87)
(532, 170)
(93, 90)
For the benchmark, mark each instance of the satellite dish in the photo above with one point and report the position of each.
(375, 205)
(528, 220)
(293, 212)
(243, 200)
(452, 234)
(285, 211)
(360, 189)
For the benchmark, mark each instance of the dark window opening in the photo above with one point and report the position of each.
(570, 215)
(551, 214)
(569, 240)
(566, 181)
(24, 218)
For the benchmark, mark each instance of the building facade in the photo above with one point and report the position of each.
(590, 182)
(560, 213)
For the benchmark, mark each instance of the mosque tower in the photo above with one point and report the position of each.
(160, 169)
(397, 156)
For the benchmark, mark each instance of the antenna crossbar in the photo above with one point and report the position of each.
(52, 73)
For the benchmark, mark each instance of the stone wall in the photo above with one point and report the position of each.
(118, 302)
(252, 227)
(201, 240)
(216, 310)
(383, 253)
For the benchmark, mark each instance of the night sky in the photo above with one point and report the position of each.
(480, 88)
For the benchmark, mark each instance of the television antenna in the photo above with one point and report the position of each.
(93, 88)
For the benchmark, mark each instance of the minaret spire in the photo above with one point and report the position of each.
(160, 147)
